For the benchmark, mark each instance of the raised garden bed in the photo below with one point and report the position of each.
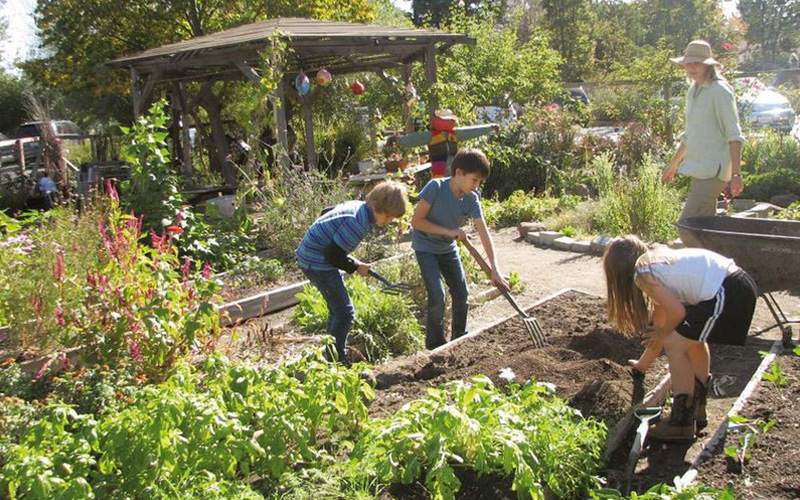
(586, 360)
(773, 471)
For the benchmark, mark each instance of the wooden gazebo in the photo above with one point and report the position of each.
(339, 47)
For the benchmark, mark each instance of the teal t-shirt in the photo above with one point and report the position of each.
(446, 211)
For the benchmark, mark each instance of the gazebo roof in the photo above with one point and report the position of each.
(338, 46)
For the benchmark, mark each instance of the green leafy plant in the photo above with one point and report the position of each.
(474, 426)
(523, 207)
(775, 376)
(663, 491)
(384, 325)
(792, 212)
(750, 432)
(517, 285)
(215, 429)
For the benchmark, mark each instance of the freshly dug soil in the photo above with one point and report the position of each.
(773, 471)
(586, 360)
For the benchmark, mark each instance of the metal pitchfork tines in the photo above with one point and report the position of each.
(532, 326)
(389, 287)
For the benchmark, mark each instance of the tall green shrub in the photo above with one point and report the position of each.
(639, 204)
(770, 166)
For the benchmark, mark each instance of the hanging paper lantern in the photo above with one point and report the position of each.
(358, 87)
(323, 77)
(302, 83)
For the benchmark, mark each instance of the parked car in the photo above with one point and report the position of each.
(768, 108)
(6, 153)
(495, 114)
(65, 132)
(575, 95)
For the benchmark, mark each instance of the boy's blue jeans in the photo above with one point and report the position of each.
(434, 267)
(340, 308)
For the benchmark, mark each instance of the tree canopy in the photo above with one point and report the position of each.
(82, 34)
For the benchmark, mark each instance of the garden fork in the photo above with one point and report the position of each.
(389, 287)
(532, 326)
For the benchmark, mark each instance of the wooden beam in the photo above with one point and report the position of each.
(430, 75)
(152, 79)
(137, 100)
(249, 73)
(308, 119)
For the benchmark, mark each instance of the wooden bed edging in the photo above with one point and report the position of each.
(271, 301)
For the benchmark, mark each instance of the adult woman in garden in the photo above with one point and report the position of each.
(710, 148)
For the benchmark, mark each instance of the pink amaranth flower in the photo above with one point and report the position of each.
(59, 313)
(727, 46)
(112, 191)
(206, 270)
(185, 268)
(59, 270)
(134, 349)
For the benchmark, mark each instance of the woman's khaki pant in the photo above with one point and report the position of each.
(702, 201)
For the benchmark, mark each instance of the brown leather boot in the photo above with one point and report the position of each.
(700, 399)
(679, 426)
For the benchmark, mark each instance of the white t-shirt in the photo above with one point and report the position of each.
(694, 275)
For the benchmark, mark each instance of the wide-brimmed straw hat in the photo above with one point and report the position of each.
(696, 51)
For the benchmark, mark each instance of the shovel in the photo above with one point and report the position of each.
(532, 326)
(389, 287)
(645, 416)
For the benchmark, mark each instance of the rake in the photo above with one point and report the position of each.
(532, 326)
(389, 287)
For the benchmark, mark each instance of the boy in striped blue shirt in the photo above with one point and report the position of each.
(325, 247)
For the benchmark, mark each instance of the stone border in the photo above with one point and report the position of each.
(536, 233)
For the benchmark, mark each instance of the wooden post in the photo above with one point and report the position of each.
(186, 140)
(408, 121)
(137, 101)
(279, 110)
(373, 131)
(308, 119)
(430, 74)
(668, 119)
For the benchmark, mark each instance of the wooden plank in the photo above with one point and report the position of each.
(430, 75)
(263, 303)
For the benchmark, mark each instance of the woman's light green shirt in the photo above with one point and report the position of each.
(712, 122)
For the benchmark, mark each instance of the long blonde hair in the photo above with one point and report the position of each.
(628, 309)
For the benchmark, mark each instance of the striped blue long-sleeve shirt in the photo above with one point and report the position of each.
(346, 225)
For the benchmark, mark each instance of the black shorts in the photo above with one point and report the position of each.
(725, 318)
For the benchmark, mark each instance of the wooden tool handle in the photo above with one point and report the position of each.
(478, 258)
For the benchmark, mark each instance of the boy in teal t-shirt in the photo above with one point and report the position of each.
(444, 206)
